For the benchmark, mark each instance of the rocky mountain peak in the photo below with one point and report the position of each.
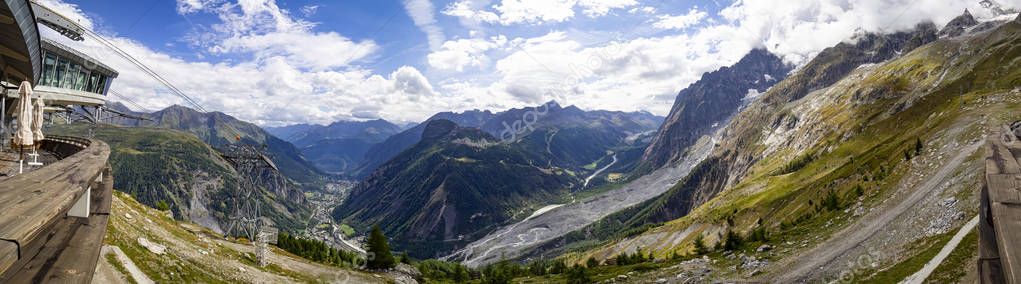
(712, 99)
(958, 25)
(437, 129)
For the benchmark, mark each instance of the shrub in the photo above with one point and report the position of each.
(578, 275)
(831, 201)
(162, 205)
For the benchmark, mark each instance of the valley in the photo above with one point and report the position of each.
(508, 141)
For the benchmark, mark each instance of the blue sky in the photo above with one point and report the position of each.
(285, 62)
(158, 25)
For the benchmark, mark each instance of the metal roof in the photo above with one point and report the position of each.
(50, 45)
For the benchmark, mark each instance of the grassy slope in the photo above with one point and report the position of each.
(783, 200)
(158, 164)
(184, 261)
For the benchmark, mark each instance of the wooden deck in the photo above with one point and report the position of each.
(1000, 227)
(39, 241)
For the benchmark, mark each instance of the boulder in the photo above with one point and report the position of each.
(151, 246)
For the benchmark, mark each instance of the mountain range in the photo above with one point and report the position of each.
(457, 183)
(868, 151)
(340, 147)
(762, 171)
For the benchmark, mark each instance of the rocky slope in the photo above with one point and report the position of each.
(709, 102)
(763, 127)
(866, 152)
(144, 245)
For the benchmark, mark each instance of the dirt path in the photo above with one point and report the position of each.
(133, 270)
(806, 266)
(929, 267)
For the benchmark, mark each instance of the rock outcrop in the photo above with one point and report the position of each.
(710, 101)
(959, 25)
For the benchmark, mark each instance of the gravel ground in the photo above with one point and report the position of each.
(513, 240)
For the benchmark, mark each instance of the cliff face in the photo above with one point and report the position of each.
(710, 101)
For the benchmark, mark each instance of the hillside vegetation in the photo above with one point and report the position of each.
(168, 251)
(158, 165)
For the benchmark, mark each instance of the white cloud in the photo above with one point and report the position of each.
(645, 73)
(599, 8)
(535, 12)
(423, 14)
(310, 50)
(261, 28)
(680, 22)
(192, 6)
(309, 10)
(276, 86)
(458, 54)
(798, 29)
(70, 11)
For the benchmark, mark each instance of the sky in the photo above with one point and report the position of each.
(279, 63)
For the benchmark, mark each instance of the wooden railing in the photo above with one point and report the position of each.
(1000, 227)
(53, 219)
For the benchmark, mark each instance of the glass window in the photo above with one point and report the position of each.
(91, 86)
(49, 67)
(61, 70)
(72, 74)
(83, 74)
(101, 87)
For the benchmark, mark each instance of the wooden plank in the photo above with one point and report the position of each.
(76, 262)
(999, 159)
(69, 250)
(41, 251)
(1007, 221)
(1004, 188)
(31, 200)
(8, 254)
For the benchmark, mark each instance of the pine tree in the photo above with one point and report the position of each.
(700, 247)
(379, 251)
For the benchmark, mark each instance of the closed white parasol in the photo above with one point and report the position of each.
(37, 120)
(23, 137)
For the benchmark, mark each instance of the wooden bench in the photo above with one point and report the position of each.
(54, 218)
